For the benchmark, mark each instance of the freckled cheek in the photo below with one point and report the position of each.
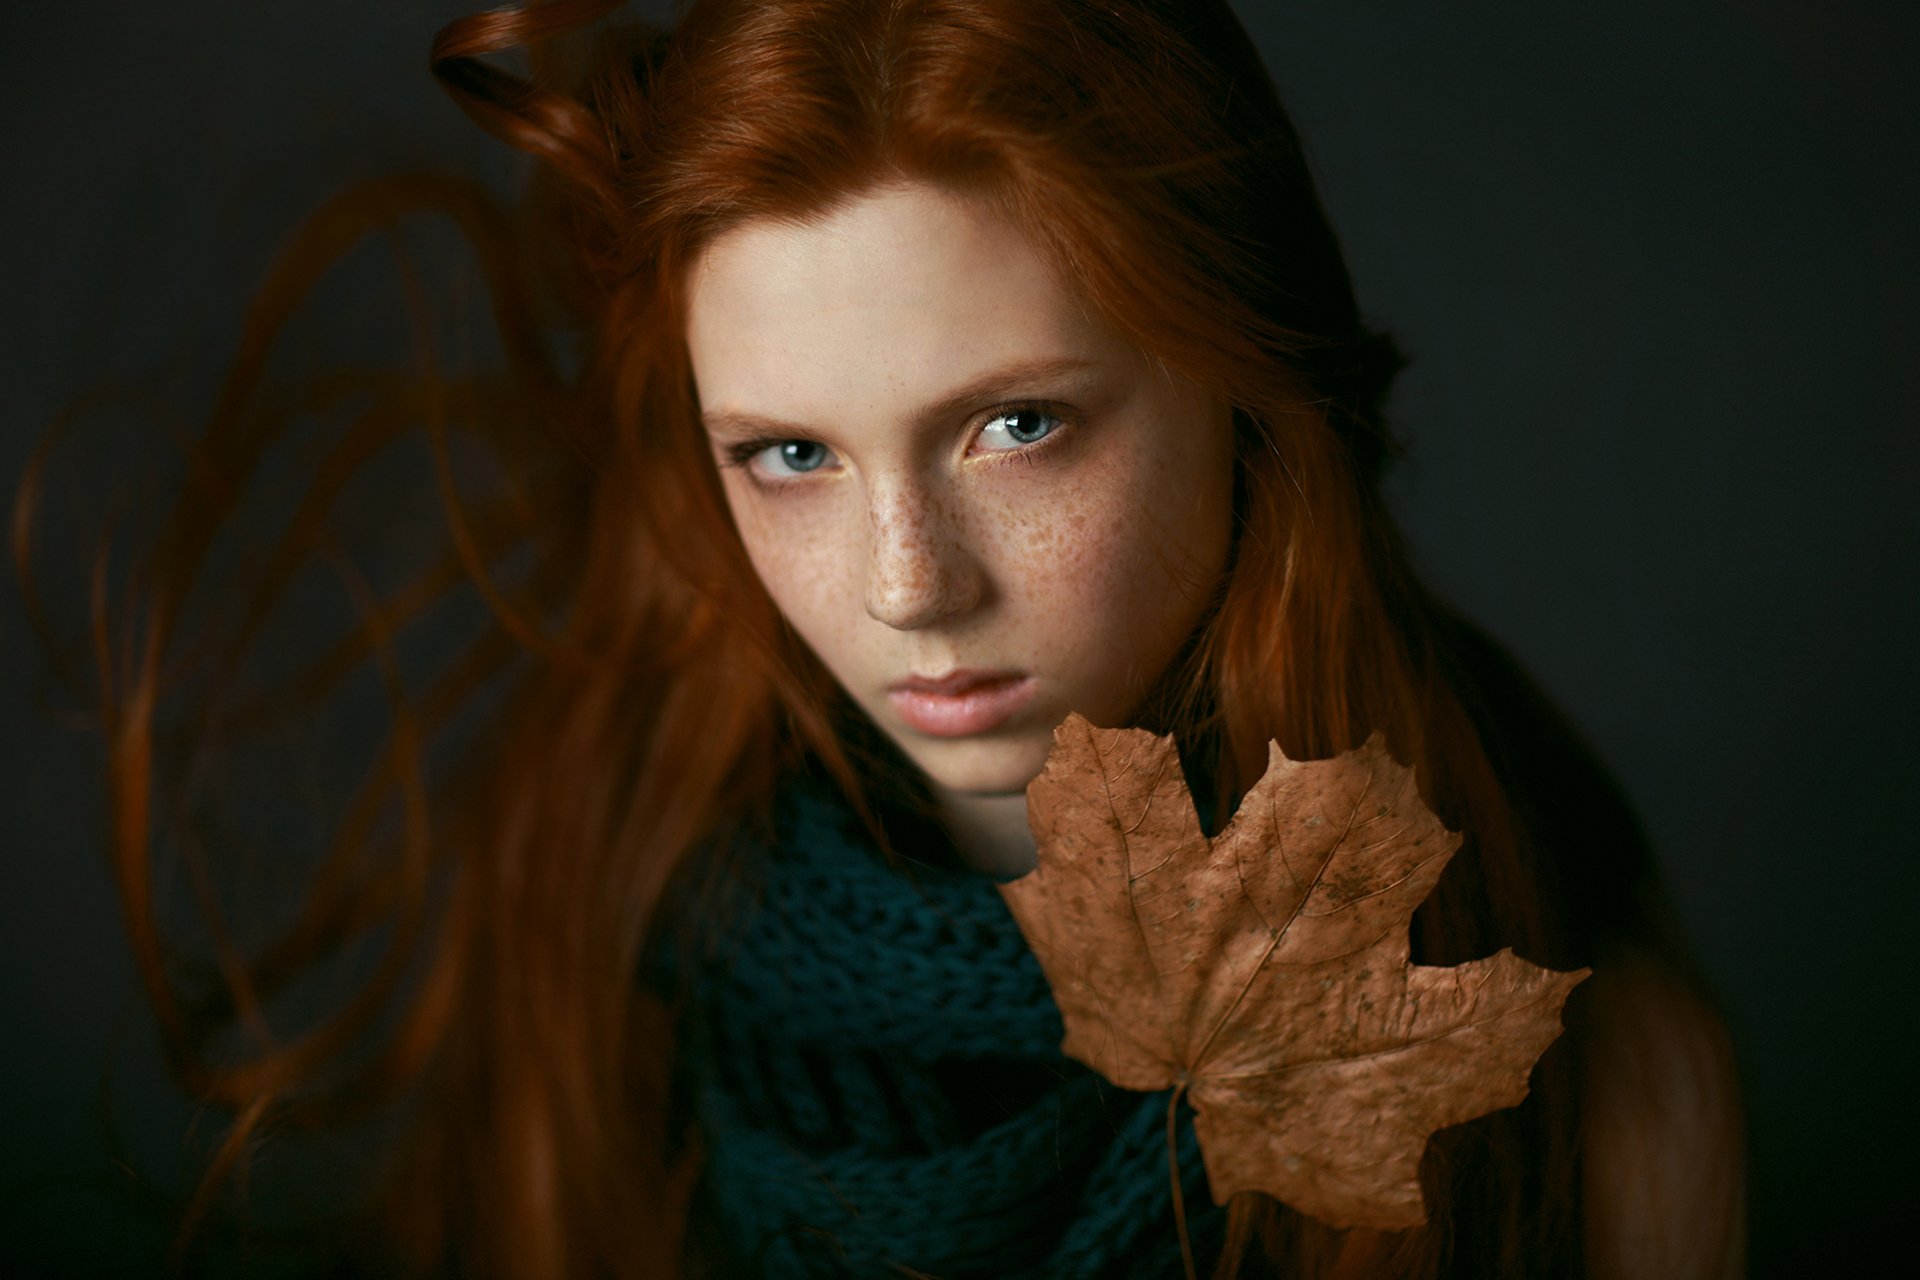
(1134, 564)
(1072, 559)
(804, 559)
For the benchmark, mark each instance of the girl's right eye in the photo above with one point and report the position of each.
(784, 458)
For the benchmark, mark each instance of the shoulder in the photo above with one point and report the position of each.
(1661, 1130)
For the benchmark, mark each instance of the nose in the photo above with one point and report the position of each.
(920, 570)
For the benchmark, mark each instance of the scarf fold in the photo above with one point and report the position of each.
(874, 1065)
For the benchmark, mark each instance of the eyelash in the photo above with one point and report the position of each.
(742, 452)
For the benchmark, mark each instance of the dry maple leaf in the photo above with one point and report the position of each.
(1265, 971)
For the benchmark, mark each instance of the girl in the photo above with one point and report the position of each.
(945, 367)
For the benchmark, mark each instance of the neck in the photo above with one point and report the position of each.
(990, 831)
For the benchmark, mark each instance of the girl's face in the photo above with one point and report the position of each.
(978, 505)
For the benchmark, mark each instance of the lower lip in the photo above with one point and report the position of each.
(979, 709)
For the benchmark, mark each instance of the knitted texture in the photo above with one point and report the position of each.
(874, 1065)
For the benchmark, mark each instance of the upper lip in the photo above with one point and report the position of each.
(954, 682)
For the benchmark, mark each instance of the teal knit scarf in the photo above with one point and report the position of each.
(874, 1068)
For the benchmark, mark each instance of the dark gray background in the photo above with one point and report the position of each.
(1656, 266)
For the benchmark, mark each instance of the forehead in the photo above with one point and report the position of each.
(897, 293)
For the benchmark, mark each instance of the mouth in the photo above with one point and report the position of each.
(960, 703)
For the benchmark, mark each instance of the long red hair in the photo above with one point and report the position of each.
(640, 693)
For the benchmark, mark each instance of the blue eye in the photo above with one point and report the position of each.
(793, 457)
(1013, 428)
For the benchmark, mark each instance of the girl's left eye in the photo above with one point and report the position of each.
(1016, 428)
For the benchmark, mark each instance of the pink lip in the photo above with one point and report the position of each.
(962, 702)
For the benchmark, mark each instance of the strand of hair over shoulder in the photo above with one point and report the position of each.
(558, 129)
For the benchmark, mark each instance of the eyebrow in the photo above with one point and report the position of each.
(995, 384)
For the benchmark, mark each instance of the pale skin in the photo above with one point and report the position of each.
(939, 458)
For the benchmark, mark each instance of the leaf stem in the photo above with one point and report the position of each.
(1173, 1180)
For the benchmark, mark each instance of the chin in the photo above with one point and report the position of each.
(982, 766)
